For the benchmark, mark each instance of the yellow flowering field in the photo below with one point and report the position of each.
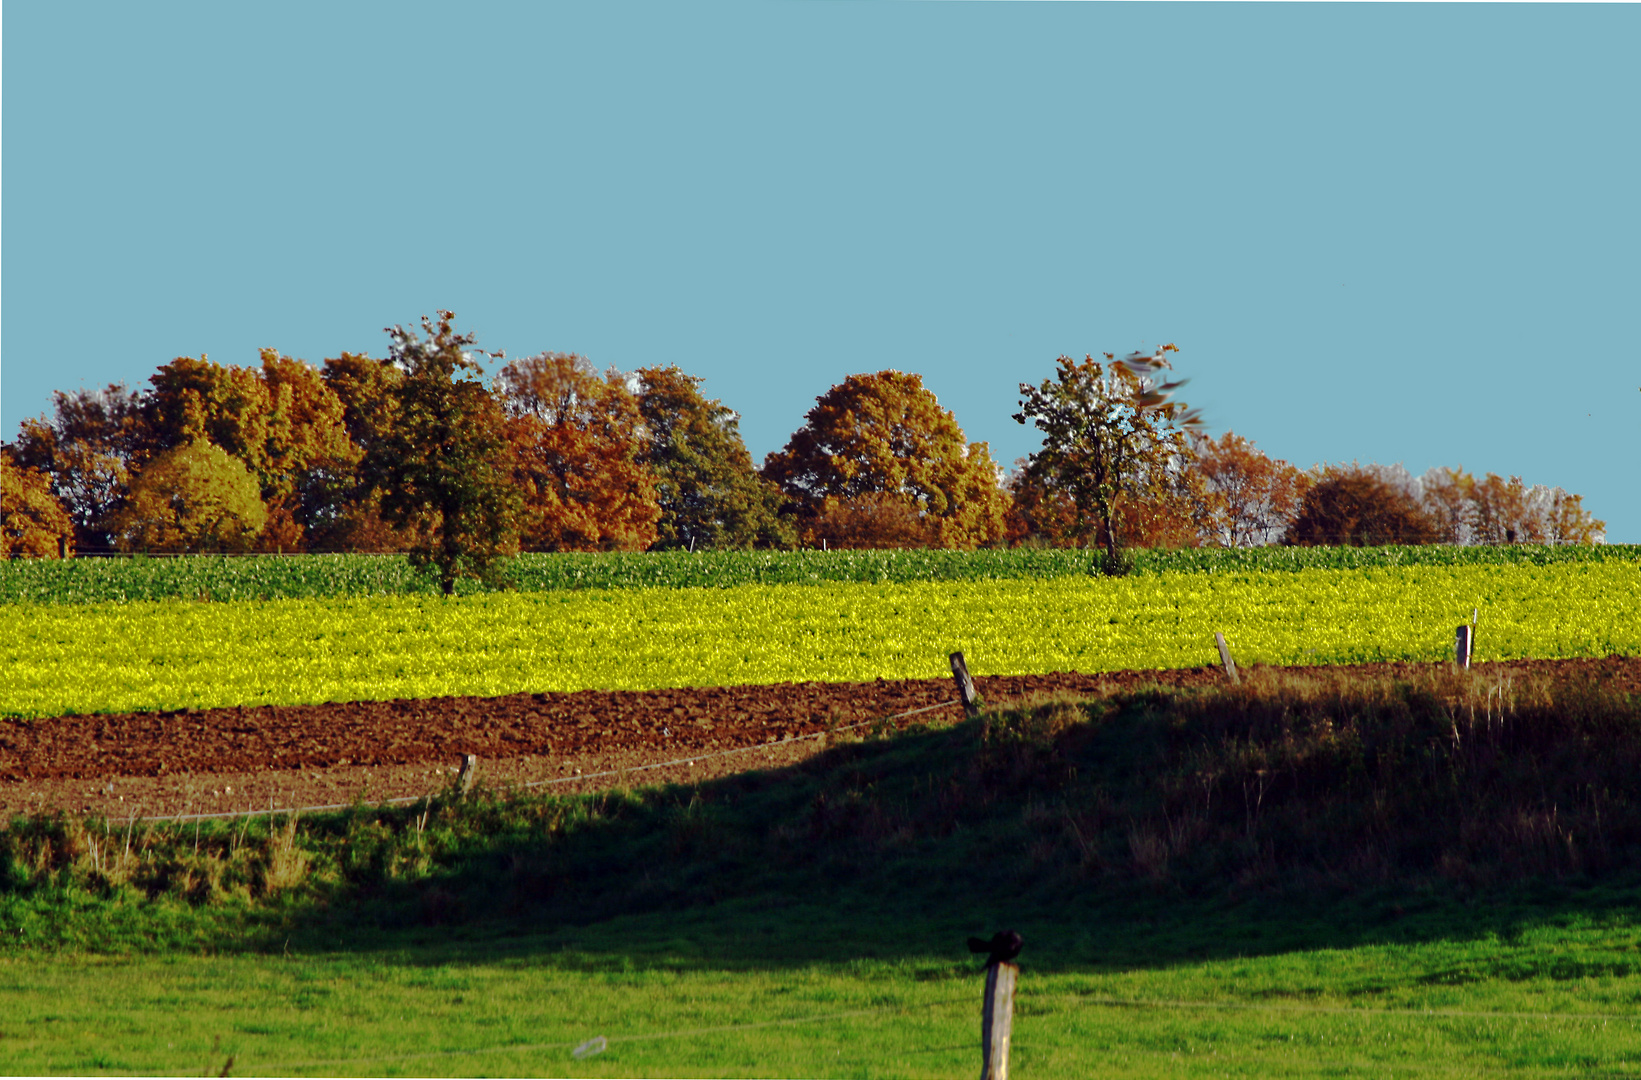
(101, 657)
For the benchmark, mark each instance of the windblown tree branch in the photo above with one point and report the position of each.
(1114, 438)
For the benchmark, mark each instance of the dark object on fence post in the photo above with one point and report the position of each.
(464, 779)
(997, 1013)
(1004, 946)
(965, 685)
(1461, 646)
(1225, 657)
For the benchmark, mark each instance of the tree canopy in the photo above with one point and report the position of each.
(442, 467)
(878, 462)
(709, 493)
(192, 498)
(575, 444)
(1114, 448)
(90, 448)
(418, 453)
(32, 522)
(1252, 498)
(1494, 510)
(1350, 505)
(342, 508)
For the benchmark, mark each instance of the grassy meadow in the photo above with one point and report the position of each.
(1536, 998)
(1300, 876)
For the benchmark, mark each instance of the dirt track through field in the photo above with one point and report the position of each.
(234, 759)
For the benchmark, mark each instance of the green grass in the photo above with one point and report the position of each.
(274, 577)
(1542, 1002)
(1298, 877)
(59, 659)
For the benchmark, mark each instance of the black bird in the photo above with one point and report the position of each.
(1003, 946)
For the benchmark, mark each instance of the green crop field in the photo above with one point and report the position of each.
(68, 658)
(305, 577)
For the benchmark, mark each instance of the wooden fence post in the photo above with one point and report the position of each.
(1461, 647)
(965, 685)
(997, 1020)
(62, 547)
(1225, 657)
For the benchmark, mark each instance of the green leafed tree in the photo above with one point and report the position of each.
(1114, 441)
(345, 508)
(192, 498)
(442, 468)
(711, 496)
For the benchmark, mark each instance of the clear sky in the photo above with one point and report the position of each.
(1391, 233)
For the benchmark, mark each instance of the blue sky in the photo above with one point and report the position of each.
(1391, 233)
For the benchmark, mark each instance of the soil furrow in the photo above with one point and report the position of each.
(295, 755)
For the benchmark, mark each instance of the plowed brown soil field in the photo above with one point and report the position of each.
(225, 760)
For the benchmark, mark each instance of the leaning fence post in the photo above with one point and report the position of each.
(965, 685)
(997, 1020)
(1461, 646)
(1225, 657)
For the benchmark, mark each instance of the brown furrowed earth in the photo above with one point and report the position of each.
(236, 759)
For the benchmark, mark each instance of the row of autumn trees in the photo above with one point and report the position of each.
(419, 453)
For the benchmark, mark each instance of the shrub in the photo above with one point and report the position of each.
(1353, 506)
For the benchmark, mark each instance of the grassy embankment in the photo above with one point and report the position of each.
(1294, 877)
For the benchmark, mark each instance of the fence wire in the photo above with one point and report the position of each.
(406, 800)
(569, 1045)
(1073, 999)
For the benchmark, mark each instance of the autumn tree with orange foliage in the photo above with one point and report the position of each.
(282, 422)
(1039, 514)
(1252, 499)
(575, 443)
(33, 524)
(878, 463)
(193, 399)
(1509, 512)
(307, 446)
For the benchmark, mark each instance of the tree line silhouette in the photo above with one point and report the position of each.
(419, 452)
